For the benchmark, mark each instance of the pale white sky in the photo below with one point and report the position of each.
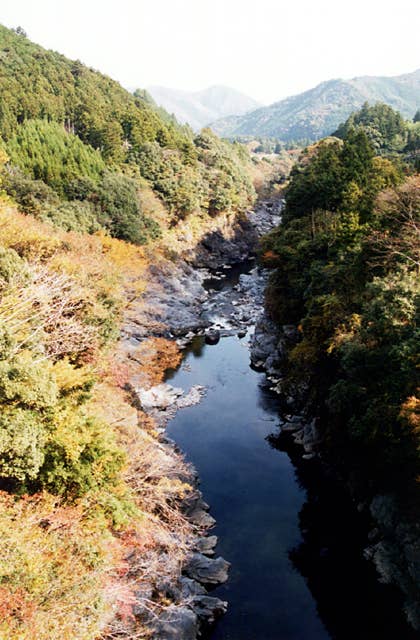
(268, 49)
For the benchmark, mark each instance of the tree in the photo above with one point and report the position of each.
(20, 32)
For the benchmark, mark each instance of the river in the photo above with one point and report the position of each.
(293, 538)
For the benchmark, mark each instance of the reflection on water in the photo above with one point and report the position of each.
(295, 541)
(350, 600)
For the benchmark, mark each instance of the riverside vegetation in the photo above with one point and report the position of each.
(346, 261)
(97, 186)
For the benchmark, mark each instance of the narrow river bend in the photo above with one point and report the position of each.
(293, 539)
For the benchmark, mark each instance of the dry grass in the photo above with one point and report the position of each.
(55, 564)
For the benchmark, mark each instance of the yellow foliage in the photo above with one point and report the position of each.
(410, 411)
(68, 377)
(156, 356)
(54, 568)
(345, 332)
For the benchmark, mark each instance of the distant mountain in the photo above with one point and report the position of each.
(318, 112)
(199, 108)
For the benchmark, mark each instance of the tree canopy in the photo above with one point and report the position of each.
(62, 123)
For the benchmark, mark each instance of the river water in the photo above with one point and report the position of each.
(293, 538)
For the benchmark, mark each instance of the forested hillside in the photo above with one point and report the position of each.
(87, 172)
(316, 113)
(347, 274)
(388, 132)
(87, 154)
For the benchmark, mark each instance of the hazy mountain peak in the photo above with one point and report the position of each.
(200, 108)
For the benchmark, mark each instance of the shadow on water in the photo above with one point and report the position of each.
(228, 276)
(294, 539)
(351, 602)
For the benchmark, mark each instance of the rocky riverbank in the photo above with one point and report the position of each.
(201, 294)
(185, 298)
(393, 543)
(176, 302)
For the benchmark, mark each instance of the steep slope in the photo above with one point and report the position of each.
(87, 154)
(317, 112)
(199, 108)
(83, 475)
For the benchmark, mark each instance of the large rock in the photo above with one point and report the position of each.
(160, 396)
(207, 570)
(206, 545)
(212, 336)
(195, 509)
(202, 519)
(194, 396)
(190, 588)
(208, 608)
(308, 436)
(176, 623)
(264, 341)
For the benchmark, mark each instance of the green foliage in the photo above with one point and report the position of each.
(314, 114)
(214, 179)
(119, 208)
(74, 134)
(47, 152)
(72, 216)
(45, 438)
(338, 176)
(31, 195)
(111, 202)
(27, 384)
(413, 143)
(319, 183)
(378, 362)
(80, 454)
(347, 264)
(385, 128)
(22, 442)
(11, 266)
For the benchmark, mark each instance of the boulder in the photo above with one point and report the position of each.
(160, 396)
(193, 397)
(206, 570)
(176, 623)
(212, 337)
(190, 588)
(202, 519)
(206, 545)
(207, 608)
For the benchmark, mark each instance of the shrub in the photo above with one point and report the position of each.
(22, 442)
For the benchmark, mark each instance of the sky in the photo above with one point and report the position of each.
(268, 49)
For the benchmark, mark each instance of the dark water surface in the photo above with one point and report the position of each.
(294, 540)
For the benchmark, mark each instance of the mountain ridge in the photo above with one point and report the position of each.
(200, 108)
(318, 111)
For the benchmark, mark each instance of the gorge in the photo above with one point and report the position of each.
(293, 536)
(209, 412)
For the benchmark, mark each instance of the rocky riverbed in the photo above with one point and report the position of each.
(195, 296)
(203, 295)
(177, 302)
